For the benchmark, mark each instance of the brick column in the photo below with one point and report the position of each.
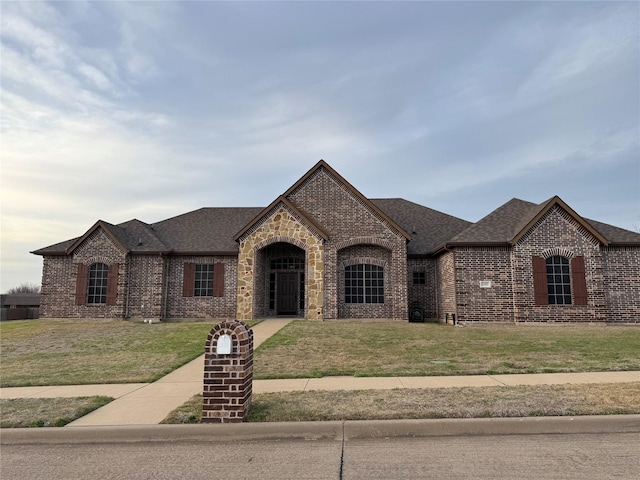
(228, 373)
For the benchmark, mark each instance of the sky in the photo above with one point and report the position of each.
(147, 110)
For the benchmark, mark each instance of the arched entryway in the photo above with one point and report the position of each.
(281, 233)
(281, 267)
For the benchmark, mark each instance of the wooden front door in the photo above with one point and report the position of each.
(287, 293)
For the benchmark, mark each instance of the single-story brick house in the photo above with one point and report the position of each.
(322, 250)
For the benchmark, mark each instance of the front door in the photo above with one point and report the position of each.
(287, 293)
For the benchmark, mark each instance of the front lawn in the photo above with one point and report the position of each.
(47, 412)
(82, 351)
(385, 348)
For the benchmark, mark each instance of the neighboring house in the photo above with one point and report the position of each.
(324, 251)
(19, 306)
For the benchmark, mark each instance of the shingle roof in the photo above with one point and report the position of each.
(205, 230)
(507, 221)
(616, 235)
(428, 228)
(140, 238)
(57, 248)
(202, 231)
(211, 230)
(501, 225)
(134, 236)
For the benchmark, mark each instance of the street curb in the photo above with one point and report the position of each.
(332, 431)
(492, 426)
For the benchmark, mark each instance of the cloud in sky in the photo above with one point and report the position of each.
(120, 110)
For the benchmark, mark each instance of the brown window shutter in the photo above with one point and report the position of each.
(188, 280)
(81, 284)
(578, 278)
(540, 281)
(218, 280)
(112, 283)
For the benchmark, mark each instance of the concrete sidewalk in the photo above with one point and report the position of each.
(388, 383)
(329, 383)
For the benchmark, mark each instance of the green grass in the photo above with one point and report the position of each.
(80, 351)
(383, 348)
(47, 412)
(466, 402)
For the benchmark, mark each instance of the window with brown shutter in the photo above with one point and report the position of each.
(112, 283)
(188, 279)
(579, 281)
(540, 281)
(81, 284)
(218, 280)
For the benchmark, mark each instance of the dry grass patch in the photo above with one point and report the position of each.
(466, 402)
(80, 351)
(47, 412)
(360, 348)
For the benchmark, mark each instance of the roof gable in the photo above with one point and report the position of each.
(258, 219)
(116, 234)
(510, 222)
(364, 201)
(543, 209)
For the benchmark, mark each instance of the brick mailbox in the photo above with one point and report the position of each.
(228, 373)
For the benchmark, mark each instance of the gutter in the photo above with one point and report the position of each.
(446, 247)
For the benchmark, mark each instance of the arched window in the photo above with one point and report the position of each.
(98, 280)
(558, 280)
(364, 283)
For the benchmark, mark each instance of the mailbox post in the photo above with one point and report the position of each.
(228, 373)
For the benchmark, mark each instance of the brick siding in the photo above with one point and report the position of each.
(474, 303)
(60, 275)
(557, 233)
(622, 283)
(146, 286)
(151, 286)
(223, 307)
(424, 295)
(349, 222)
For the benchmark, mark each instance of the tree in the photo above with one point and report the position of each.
(26, 287)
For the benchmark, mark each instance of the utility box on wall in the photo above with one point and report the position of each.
(228, 373)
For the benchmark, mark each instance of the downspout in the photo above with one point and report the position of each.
(514, 302)
(455, 283)
(126, 292)
(435, 282)
(165, 289)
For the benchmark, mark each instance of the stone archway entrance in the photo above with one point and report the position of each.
(281, 233)
(284, 270)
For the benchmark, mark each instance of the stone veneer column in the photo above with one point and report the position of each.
(281, 226)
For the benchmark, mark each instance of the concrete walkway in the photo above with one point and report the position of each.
(150, 403)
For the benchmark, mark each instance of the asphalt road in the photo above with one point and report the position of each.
(369, 450)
